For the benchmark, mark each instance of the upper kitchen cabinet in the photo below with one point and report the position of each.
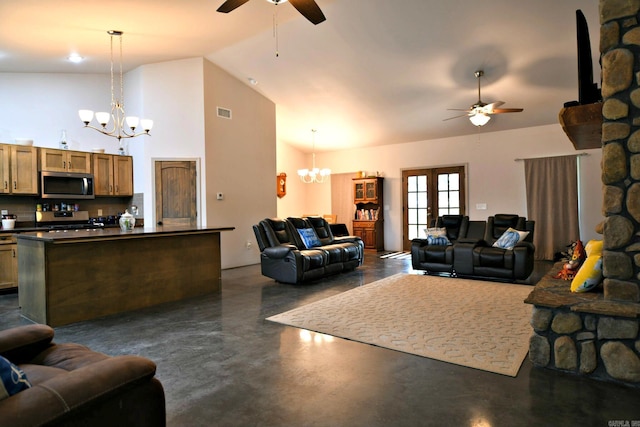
(18, 169)
(112, 175)
(54, 160)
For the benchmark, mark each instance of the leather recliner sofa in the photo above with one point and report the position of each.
(473, 254)
(287, 257)
(72, 385)
(439, 258)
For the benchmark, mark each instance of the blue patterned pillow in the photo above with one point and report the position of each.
(309, 237)
(12, 379)
(438, 240)
(510, 238)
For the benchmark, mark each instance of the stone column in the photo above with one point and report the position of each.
(620, 56)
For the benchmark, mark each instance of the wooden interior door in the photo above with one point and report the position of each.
(176, 193)
(429, 193)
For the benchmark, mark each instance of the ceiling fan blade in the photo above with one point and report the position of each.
(506, 110)
(455, 117)
(458, 109)
(490, 107)
(229, 5)
(309, 9)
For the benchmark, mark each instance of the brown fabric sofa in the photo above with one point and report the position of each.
(75, 386)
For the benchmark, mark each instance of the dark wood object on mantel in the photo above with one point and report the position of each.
(583, 125)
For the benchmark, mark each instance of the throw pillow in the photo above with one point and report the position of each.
(438, 240)
(12, 379)
(510, 238)
(309, 237)
(435, 232)
(590, 273)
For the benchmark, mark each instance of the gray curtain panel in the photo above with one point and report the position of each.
(552, 202)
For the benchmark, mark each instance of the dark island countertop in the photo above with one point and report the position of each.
(72, 236)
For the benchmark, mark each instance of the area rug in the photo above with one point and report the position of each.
(478, 324)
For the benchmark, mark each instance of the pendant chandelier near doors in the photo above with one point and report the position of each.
(314, 174)
(117, 113)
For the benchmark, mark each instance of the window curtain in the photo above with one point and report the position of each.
(552, 202)
(342, 198)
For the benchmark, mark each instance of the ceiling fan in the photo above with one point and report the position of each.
(308, 8)
(480, 113)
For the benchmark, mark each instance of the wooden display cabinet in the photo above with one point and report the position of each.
(54, 160)
(368, 222)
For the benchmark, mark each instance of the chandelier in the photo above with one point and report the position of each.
(314, 174)
(117, 114)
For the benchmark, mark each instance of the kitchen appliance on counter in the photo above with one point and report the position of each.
(65, 220)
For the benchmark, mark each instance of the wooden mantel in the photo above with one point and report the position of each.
(583, 125)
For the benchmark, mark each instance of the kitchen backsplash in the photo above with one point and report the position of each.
(25, 206)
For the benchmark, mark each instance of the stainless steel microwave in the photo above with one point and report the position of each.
(66, 185)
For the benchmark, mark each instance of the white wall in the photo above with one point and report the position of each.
(39, 106)
(494, 177)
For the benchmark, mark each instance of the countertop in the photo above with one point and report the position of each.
(69, 236)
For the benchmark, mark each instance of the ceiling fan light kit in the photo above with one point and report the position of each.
(480, 113)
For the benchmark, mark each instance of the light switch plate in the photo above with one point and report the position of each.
(481, 206)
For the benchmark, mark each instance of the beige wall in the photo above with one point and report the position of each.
(240, 155)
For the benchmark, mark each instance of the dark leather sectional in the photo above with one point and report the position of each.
(471, 252)
(285, 257)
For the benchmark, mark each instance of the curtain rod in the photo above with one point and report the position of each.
(531, 158)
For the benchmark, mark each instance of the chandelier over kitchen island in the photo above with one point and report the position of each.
(117, 113)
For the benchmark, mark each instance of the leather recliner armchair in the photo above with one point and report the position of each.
(439, 258)
(72, 385)
(482, 259)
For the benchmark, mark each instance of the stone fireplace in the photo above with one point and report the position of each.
(596, 333)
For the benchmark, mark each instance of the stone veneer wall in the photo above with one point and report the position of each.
(597, 334)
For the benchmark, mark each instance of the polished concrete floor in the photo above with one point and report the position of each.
(222, 364)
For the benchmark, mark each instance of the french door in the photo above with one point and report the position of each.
(427, 194)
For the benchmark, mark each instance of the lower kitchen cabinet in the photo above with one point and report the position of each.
(8, 263)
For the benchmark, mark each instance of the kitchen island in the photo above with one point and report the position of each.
(75, 275)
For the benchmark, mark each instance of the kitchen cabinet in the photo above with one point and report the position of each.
(18, 169)
(54, 160)
(112, 175)
(8, 262)
(368, 221)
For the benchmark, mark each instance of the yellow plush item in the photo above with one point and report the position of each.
(590, 273)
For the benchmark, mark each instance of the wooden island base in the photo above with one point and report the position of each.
(84, 275)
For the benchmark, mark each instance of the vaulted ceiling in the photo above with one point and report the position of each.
(375, 72)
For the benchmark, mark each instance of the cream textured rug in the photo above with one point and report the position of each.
(482, 325)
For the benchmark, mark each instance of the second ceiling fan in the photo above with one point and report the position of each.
(308, 8)
(480, 112)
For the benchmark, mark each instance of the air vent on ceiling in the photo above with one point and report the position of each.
(225, 113)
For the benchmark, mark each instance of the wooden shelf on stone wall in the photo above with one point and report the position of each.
(583, 125)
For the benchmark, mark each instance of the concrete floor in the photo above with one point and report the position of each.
(222, 364)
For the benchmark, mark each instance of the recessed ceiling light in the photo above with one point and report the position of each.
(75, 58)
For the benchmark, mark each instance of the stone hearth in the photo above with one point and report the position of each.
(590, 333)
